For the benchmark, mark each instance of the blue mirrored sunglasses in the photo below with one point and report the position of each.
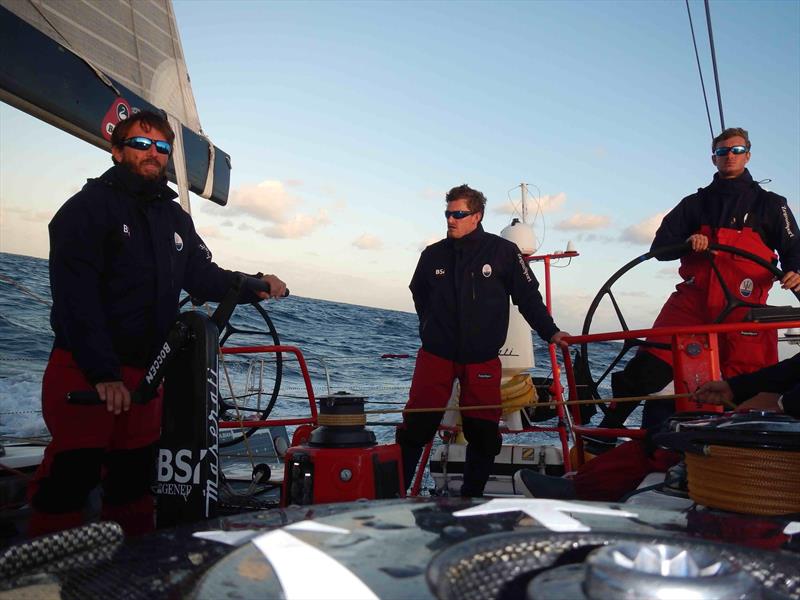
(458, 214)
(143, 143)
(723, 150)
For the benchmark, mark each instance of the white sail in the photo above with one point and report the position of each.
(134, 41)
(133, 47)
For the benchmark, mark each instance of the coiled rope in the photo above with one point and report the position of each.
(342, 420)
(753, 481)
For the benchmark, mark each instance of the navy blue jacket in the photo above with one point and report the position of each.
(461, 289)
(734, 204)
(121, 250)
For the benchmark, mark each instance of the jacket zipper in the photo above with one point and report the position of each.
(472, 277)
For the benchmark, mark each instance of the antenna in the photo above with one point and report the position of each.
(524, 188)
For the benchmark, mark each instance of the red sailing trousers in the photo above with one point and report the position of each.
(94, 431)
(433, 379)
(700, 298)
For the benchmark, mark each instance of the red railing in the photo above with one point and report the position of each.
(675, 333)
(312, 406)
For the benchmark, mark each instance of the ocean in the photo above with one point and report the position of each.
(356, 349)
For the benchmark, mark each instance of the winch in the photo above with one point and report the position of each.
(342, 460)
(746, 462)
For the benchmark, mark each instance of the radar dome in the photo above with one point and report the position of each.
(522, 235)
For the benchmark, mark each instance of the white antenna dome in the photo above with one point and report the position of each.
(522, 235)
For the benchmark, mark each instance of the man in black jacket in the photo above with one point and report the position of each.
(734, 211)
(461, 288)
(781, 382)
(121, 250)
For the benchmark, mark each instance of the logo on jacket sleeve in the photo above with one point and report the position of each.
(486, 270)
(746, 287)
(204, 249)
(178, 242)
(125, 231)
(439, 272)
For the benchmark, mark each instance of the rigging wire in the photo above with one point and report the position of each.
(714, 63)
(700, 70)
(539, 212)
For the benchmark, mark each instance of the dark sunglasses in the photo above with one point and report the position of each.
(143, 143)
(458, 214)
(723, 150)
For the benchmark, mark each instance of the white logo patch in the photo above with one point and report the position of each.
(178, 242)
(125, 231)
(487, 270)
(439, 272)
(746, 287)
(205, 250)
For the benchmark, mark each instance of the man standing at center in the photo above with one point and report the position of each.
(461, 288)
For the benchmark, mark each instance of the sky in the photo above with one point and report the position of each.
(347, 122)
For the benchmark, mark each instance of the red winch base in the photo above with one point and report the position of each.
(316, 475)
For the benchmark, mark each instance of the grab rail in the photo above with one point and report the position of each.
(312, 405)
(711, 329)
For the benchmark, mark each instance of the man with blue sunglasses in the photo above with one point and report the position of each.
(461, 289)
(121, 251)
(734, 210)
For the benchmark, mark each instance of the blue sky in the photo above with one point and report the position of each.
(348, 121)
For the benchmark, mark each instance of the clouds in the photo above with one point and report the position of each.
(547, 204)
(298, 226)
(583, 222)
(368, 242)
(427, 242)
(29, 215)
(272, 202)
(642, 232)
(211, 231)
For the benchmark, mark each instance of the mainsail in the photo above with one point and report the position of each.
(83, 65)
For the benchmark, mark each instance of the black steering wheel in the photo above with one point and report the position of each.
(228, 407)
(731, 303)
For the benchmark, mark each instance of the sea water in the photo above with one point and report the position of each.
(356, 349)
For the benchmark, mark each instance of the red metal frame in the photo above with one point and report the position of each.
(557, 390)
(312, 420)
(678, 334)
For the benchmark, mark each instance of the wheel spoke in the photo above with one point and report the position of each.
(617, 310)
(625, 347)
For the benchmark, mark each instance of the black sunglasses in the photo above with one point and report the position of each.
(458, 214)
(143, 143)
(723, 150)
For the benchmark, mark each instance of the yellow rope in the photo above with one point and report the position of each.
(753, 481)
(554, 403)
(342, 420)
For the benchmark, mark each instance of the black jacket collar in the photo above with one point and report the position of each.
(740, 183)
(468, 240)
(120, 176)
